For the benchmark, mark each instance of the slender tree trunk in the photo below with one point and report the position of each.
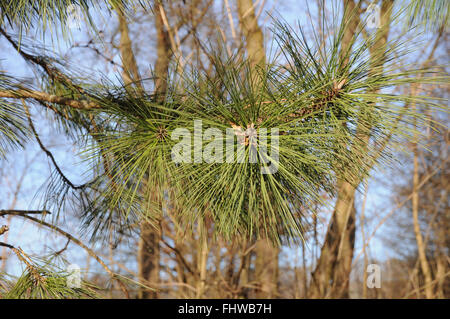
(244, 277)
(149, 241)
(333, 268)
(148, 247)
(130, 73)
(203, 252)
(266, 261)
(363, 237)
(149, 244)
(148, 260)
(266, 269)
(421, 248)
(163, 53)
(442, 279)
(331, 276)
(254, 39)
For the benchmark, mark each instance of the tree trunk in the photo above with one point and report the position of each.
(148, 260)
(266, 269)
(149, 243)
(266, 263)
(254, 39)
(130, 73)
(421, 248)
(331, 276)
(202, 258)
(163, 53)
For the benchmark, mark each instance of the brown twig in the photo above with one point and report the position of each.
(22, 93)
(80, 243)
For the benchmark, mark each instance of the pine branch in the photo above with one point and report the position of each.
(18, 212)
(79, 243)
(51, 71)
(48, 153)
(50, 98)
